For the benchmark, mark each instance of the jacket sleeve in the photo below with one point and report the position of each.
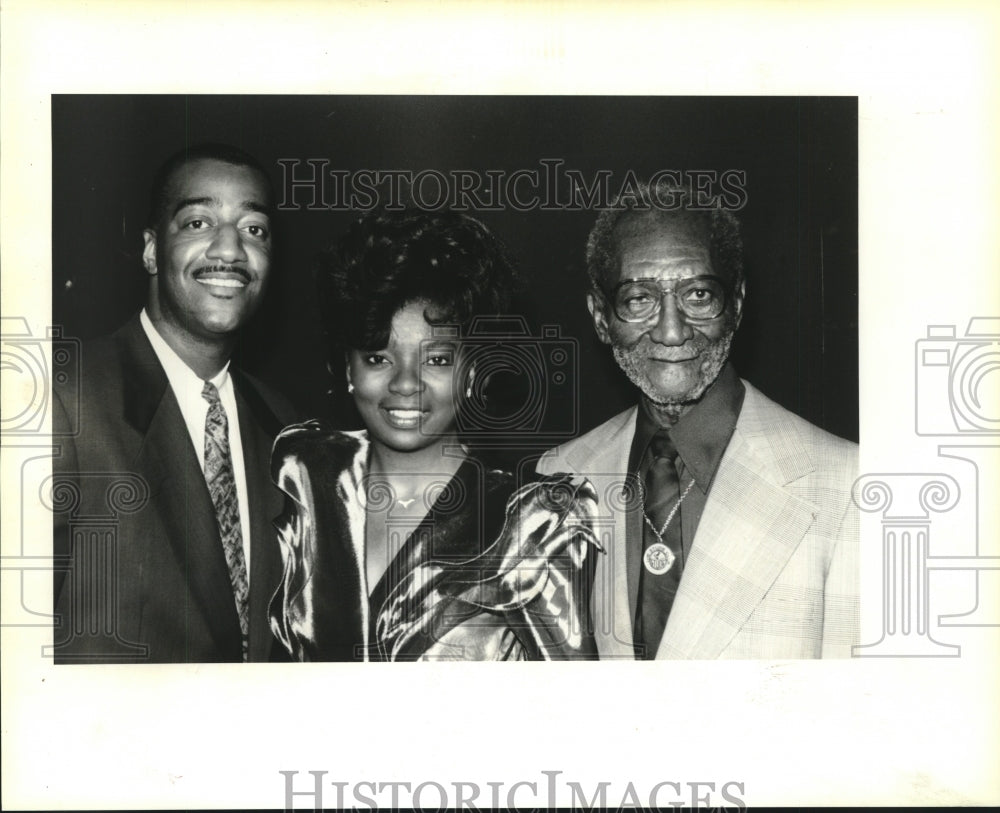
(319, 611)
(556, 624)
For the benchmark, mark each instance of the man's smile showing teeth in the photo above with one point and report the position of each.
(222, 282)
(222, 277)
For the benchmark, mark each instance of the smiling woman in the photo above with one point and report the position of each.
(406, 392)
(397, 543)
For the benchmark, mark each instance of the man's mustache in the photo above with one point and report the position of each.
(222, 269)
(695, 346)
(682, 352)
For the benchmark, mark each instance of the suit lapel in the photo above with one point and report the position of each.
(145, 383)
(603, 457)
(751, 525)
(178, 492)
(188, 516)
(265, 506)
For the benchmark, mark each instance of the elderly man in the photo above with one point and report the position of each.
(734, 533)
(175, 442)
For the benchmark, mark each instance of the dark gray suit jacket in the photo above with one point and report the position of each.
(140, 571)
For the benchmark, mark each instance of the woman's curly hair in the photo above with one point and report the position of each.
(388, 260)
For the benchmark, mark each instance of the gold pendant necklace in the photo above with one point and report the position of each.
(658, 558)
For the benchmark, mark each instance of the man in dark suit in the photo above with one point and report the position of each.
(163, 500)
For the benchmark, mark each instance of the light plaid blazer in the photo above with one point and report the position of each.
(773, 568)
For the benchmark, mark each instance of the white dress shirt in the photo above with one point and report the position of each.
(187, 388)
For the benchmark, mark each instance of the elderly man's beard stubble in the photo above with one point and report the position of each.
(712, 355)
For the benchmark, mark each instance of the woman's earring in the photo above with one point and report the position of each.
(350, 388)
(472, 377)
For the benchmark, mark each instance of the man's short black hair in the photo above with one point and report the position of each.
(225, 153)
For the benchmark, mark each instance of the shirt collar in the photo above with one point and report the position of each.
(181, 377)
(702, 434)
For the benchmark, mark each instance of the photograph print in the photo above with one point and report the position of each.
(393, 378)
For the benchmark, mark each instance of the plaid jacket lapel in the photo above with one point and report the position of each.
(602, 456)
(752, 524)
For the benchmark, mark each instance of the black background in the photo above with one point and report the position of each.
(798, 341)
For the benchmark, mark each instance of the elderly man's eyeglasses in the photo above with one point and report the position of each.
(698, 298)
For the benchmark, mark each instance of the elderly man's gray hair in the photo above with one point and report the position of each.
(667, 200)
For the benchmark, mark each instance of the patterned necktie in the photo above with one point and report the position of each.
(660, 571)
(222, 487)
